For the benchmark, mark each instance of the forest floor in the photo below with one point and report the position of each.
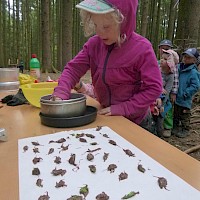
(181, 143)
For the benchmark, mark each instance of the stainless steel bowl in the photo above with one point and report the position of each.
(9, 79)
(9, 75)
(9, 86)
(74, 106)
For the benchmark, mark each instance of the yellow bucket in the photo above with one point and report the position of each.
(34, 91)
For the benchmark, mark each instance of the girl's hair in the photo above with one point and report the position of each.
(89, 27)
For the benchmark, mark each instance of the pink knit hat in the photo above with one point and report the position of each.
(172, 60)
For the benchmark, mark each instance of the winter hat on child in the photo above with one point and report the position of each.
(95, 6)
(165, 43)
(191, 52)
(172, 60)
(128, 9)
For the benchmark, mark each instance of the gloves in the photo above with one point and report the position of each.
(7, 98)
(15, 100)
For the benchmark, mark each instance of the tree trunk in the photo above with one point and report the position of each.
(17, 31)
(59, 34)
(38, 31)
(188, 24)
(199, 37)
(46, 43)
(14, 35)
(144, 19)
(4, 27)
(8, 37)
(28, 35)
(1, 39)
(152, 19)
(23, 38)
(157, 27)
(66, 31)
(171, 23)
(53, 32)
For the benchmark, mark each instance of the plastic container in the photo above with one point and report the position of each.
(35, 67)
(34, 91)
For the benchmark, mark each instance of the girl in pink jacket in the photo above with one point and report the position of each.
(124, 68)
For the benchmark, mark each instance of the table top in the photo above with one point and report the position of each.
(23, 121)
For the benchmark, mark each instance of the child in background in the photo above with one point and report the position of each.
(21, 66)
(123, 64)
(167, 66)
(168, 121)
(188, 85)
(166, 45)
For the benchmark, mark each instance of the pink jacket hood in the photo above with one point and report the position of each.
(129, 10)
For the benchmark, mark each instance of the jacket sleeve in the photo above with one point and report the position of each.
(168, 86)
(150, 90)
(72, 73)
(193, 86)
(175, 81)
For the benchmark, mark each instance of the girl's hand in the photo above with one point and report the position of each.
(156, 111)
(78, 86)
(158, 102)
(161, 109)
(105, 111)
(173, 97)
(54, 98)
(164, 91)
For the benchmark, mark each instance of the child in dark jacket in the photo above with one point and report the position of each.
(188, 85)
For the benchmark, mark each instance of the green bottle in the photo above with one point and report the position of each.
(35, 67)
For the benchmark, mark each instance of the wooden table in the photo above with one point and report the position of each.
(24, 121)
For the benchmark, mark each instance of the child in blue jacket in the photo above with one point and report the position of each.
(189, 84)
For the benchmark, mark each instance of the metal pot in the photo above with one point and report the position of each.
(9, 74)
(75, 106)
(9, 79)
(9, 86)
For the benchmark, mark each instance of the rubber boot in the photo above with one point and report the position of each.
(183, 133)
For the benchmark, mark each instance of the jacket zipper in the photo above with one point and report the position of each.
(104, 72)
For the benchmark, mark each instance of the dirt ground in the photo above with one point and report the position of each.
(193, 139)
(181, 143)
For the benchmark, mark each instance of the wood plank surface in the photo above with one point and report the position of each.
(24, 121)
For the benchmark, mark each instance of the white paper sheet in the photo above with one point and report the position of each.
(101, 181)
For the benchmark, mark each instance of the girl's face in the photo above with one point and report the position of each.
(106, 28)
(163, 63)
(165, 47)
(188, 59)
(163, 60)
